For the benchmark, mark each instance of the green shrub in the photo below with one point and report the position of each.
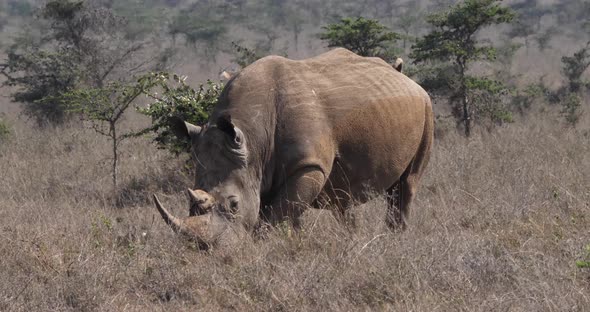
(585, 262)
(4, 131)
(176, 99)
(244, 56)
(365, 37)
(523, 99)
(453, 42)
(571, 108)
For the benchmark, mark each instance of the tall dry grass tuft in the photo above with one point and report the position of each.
(498, 224)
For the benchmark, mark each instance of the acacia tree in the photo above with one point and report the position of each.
(453, 42)
(82, 45)
(570, 96)
(574, 66)
(203, 30)
(244, 56)
(365, 37)
(104, 108)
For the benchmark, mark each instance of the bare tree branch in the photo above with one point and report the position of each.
(3, 68)
(120, 60)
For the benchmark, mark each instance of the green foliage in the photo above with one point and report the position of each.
(574, 66)
(176, 99)
(523, 99)
(101, 105)
(485, 84)
(79, 47)
(101, 228)
(365, 37)
(451, 47)
(453, 38)
(104, 108)
(570, 97)
(43, 74)
(47, 75)
(491, 97)
(438, 78)
(68, 22)
(571, 108)
(4, 131)
(585, 263)
(244, 56)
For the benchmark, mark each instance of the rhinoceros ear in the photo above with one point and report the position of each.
(225, 124)
(184, 130)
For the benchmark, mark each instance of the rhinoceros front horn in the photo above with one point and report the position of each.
(196, 227)
(172, 221)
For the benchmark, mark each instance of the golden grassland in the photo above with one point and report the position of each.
(499, 223)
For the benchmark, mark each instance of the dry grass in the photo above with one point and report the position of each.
(498, 225)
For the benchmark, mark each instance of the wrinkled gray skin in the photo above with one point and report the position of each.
(288, 135)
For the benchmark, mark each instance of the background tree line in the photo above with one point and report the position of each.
(94, 59)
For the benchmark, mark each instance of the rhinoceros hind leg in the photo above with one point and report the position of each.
(296, 195)
(397, 204)
(407, 185)
(401, 194)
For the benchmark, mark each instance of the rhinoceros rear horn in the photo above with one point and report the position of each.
(202, 199)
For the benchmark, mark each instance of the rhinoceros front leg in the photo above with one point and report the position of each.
(296, 195)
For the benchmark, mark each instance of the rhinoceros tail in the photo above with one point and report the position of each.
(423, 155)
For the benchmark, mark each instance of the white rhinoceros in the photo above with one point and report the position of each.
(287, 135)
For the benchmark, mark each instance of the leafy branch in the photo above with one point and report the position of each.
(104, 108)
(174, 98)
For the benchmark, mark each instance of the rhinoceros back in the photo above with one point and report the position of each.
(357, 117)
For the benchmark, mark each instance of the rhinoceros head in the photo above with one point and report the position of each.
(226, 194)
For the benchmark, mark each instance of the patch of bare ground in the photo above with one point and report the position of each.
(498, 224)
